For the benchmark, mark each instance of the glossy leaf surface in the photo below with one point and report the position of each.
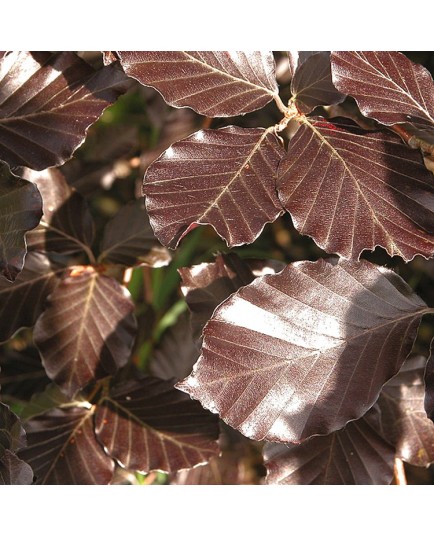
(148, 425)
(87, 329)
(352, 190)
(216, 84)
(130, 240)
(312, 84)
(356, 454)
(217, 177)
(62, 448)
(67, 225)
(38, 279)
(305, 351)
(386, 85)
(47, 102)
(20, 211)
(403, 416)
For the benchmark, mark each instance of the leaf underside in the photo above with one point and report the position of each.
(305, 351)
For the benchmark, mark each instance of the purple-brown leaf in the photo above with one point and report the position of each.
(148, 425)
(38, 279)
(429, 384)
(87, 329)
(47, 103)
(404, 421)
(20, 211)
(225, 178)
(357, 454)
(62, 448)
(312, 84)
(215, 84)
(13, 471)
(129, 239)
(305, 351)
(387, 86)
(67, 225)
(352, 190)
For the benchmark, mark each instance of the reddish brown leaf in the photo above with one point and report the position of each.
(129, 239)
(225, 178)
(87, 329)
(305, 351)
(352, 190)
(38, 279)
(47, 102)
(216, 84)
(356, 454)
(149, 425)
(312, 84)
(67, 225)
(403, 416)
(20, 211)
(176, 352)
(62, 448)
(14, 471)
(386, 85)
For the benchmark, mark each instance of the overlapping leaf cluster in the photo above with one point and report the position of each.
(310, 357)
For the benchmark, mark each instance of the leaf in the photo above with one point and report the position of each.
(12, 435)
(429, 384)
(215, 84)
(67, 225)
(130, 240)
(207, 285)
(51, 397)
(305, 351)
(62, 448)
(356, 454)
(386, 85)
(224, 177)
(21, 373)
(176, 352)
(312, 84)
(14, 471)
(87, 329)
(20, 211)
(297, 58)
(148, 425)
(352, 190)
(403, 417)
(38, 279)
(47, 103)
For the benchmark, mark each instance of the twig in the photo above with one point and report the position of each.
(399, 472)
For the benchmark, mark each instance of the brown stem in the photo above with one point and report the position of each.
(412, 140)
(399, 472)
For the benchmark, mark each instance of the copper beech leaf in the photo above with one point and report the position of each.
(352, 190)
(357, 454)
(404, 421)
(215, 84)
(386, 85)
(207, 285)
(147, 425)
(225, 178)
(305, 351)
(429, 384)
(38, 279)
(312, 84)
(47, 102)
(62, 448)
(87, 329)
(20, 211)
(129, 239)
(67, 225)
(176, 352)
(12, 434)
(13, 471)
